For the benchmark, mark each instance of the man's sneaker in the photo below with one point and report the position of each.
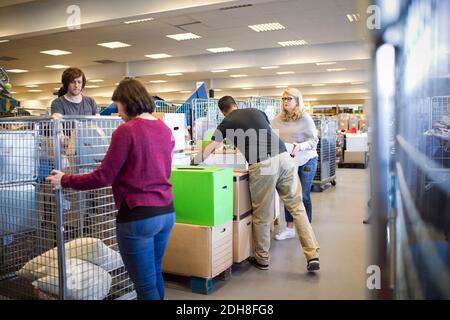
(313, 265)
(287, 233)
(258, 265)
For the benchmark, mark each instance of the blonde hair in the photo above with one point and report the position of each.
(297, 113)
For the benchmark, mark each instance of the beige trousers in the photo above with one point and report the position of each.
(265, 178)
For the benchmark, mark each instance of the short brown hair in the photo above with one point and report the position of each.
(69, 75)
(225, 103)
(134, 97)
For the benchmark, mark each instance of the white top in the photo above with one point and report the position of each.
(301, 131)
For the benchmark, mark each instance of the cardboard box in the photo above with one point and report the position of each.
(355, 157)
(177, 124)
(356, 142)
(362, 123)
(74, 205)
(199, 251)
(242, 204)
(227, 159)
(242, 239)
(343, 124)
(202, 195)
(353, 123)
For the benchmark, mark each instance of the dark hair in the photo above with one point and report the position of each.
(134, 97)
(225, 103)
(68, 76)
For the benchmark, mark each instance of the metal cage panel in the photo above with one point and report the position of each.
(57, 245)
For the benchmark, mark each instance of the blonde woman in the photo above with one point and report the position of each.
(296, 127)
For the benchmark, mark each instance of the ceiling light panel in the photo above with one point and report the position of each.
(4, 40)
(183, 36)
(270, 67)
(16, 70)
(158, 56)
(292, 43)
(158, 81)
(114, 44)
(325, 63)
(56, 52)
(220, 50)
(285, 72)
(273, 26)
(175, 74)
(96, 80)
(219, 71)
(336, 69)
(353, 17)
(57, 66)
(138, 20)
(238, 75)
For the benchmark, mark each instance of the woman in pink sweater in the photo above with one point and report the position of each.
(138, 166)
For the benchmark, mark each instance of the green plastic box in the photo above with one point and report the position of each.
(202, 195)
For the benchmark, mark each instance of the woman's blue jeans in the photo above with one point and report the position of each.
(142, 244)
(306, 174)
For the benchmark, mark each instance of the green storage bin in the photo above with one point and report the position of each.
(202, 195)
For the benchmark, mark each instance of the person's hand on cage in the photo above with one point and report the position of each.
(55, 179)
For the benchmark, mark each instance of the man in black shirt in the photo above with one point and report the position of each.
(271, 169)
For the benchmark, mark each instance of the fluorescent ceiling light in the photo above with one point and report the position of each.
(336, 69)
(292, 43)
(238, 75)
(353, 17)
(220, 50)
(270, 67)
(158, 81)
(174, 74)
(34, 90)
(185, 91)
(91, 86)
(3, 41)
(317, 84)
(247, 88)
(139, 20)
(311, 99)
(183, 36)
(285, 72)
(158, 56)
(273, 26)
(357, 82)
(325, 63)
(56, 88)
(16, 70)
(56, 52)
(12, 92)
(114, 45)
(217, 90)
(31, 86)
(219, 70)
(96, 80)
(57, 66)
(280, 87)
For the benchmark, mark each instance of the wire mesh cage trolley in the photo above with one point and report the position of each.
(326, 150)
(57, 245)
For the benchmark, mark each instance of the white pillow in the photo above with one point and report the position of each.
(89, 249)
(85, 281)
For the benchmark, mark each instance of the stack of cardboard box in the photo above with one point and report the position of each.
(201, 242)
